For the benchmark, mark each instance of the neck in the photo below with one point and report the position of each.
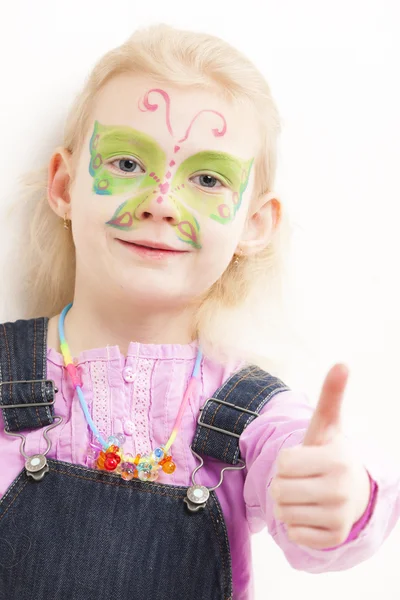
(98, 322)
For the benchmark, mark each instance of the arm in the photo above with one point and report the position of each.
(282, 424)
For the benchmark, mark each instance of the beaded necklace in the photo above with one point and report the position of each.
(108, 455)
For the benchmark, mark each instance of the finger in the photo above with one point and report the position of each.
(310, 515)
(326, 418)
(309, 461)
(313, 537)
(311, 490)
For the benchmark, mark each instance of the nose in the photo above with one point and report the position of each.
(159, 207)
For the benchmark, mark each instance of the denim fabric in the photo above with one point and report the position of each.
(249, 390)
(23, 346)
(84, 534)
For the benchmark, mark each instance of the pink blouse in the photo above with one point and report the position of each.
(144, 408)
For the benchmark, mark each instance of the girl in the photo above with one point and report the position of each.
(155, 223)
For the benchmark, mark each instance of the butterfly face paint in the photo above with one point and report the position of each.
(159, 177)
(221, 205)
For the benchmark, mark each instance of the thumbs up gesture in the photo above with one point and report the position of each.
(320, 489)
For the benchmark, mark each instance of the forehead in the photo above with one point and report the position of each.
(197, 119)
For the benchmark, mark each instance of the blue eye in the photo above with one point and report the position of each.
(208, 181)
(127, 165)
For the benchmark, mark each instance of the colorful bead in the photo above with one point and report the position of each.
(111, 462)
(108, 455)
(121, 439)
(113, 448)
(113, 441)
(169, 467)
(144, 465)
(101, 460)
(128, 471)
(73, 373)
(158, 454)
(166, 459)
(153, 475)
(112, 459)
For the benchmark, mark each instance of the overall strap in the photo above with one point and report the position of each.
(26, 395)
(225, 416)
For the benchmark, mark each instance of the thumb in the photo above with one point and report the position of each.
(325, 422)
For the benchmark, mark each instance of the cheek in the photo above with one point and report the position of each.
(218, 246)
(228, 230)
(90, 234)
(90, 210)
(224, 236)
(219, 243)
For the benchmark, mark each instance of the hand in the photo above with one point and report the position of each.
(320, 489)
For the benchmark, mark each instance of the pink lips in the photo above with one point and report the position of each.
(153, 250)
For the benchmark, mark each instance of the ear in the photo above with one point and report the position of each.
(261, 222)
(59, 175)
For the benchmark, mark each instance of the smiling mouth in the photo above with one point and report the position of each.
(146, 250)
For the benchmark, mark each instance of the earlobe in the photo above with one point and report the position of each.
(59, 174)
(261, 224)
(276, 211)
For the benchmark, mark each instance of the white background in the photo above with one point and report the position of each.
(334, 72)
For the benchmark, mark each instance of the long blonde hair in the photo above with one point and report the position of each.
(240, 301)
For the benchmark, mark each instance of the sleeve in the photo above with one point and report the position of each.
(283, 423)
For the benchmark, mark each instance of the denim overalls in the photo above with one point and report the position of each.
(68, 532)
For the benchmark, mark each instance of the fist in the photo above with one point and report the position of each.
(320, 489)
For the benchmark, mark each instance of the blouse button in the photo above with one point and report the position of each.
(129, 427)
(128, 374)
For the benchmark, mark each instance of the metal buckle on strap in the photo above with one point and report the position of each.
(245, 410)
(36, 465)
(197, 495)
(55, 390)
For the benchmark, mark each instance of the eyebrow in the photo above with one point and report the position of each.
(226, 165)
(135, 138)
(223, 160)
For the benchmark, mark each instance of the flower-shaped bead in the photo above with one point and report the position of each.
(128, 470)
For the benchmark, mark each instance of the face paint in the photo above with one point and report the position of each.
(221, 205)
(161, 176)
(108, 142)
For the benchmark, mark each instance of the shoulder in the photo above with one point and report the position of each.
(21, 338)
(243, 383)
(21, 323)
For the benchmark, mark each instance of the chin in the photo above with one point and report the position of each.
(151, 292)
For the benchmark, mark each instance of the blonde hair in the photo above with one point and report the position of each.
(184, 58)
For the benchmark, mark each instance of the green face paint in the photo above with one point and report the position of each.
(108, 142)
(221, 205)
(159, 181)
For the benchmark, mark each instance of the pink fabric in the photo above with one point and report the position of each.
(146, 406)
(361, 523)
